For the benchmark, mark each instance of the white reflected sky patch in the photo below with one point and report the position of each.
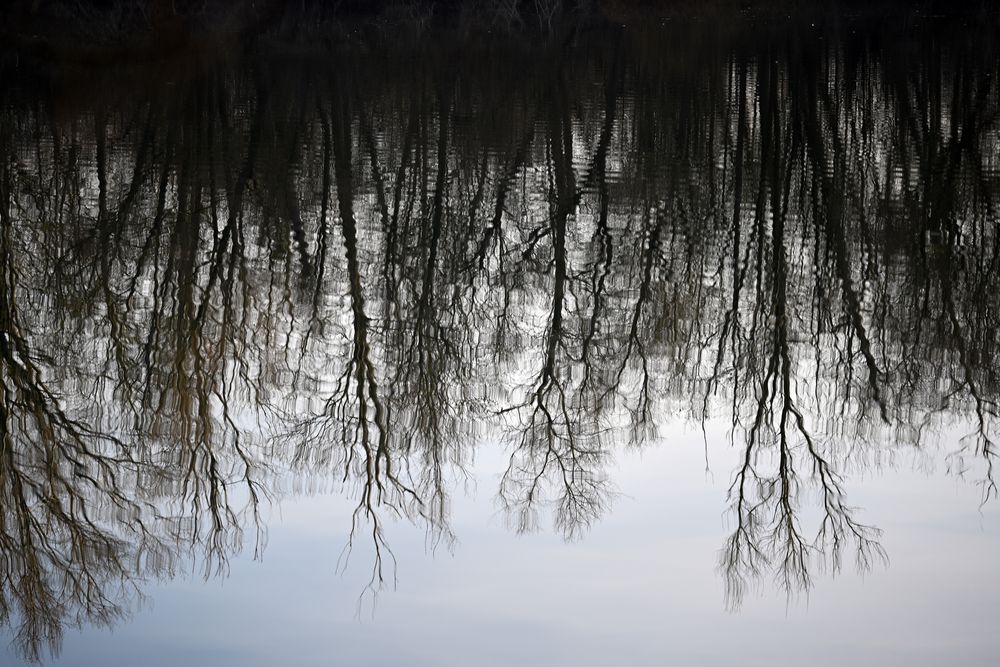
(640, 586)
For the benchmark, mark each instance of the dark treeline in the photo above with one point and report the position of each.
(357, 263)
(153, 28)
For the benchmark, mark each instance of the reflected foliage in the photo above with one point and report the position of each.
(358, 263)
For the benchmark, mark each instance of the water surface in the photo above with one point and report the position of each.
(663, 344)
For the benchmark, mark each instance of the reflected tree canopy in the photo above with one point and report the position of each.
(362, 262)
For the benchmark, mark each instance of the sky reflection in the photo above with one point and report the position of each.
(630, 344)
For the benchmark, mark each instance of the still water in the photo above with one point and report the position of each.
(668, 344)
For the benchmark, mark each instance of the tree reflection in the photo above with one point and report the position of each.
(358, 268)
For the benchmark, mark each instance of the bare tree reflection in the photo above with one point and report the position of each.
(362, 264)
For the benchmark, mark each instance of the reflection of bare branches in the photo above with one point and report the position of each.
(768, 535)
(354, 430)
(765, 506)
(556, 444)
(93, 503)
(70, 532)
(556, 243)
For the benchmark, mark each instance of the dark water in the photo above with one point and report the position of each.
(670, 344)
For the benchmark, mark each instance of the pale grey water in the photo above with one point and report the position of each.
(643, 583)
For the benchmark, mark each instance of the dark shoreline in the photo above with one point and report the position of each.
(159, 24)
